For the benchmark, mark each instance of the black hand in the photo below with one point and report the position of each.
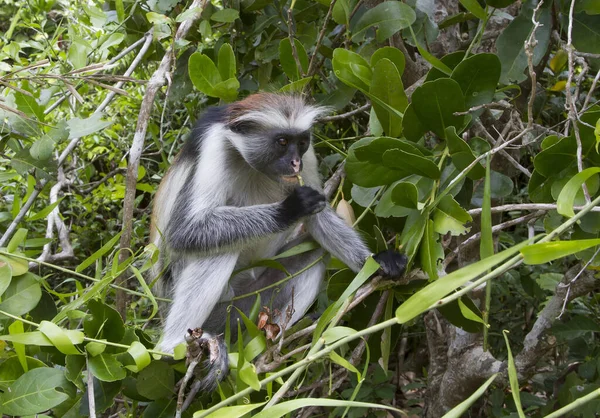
(303, 201)
(392, 263)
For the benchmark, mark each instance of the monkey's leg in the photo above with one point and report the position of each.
(304, 286)
(199, 286)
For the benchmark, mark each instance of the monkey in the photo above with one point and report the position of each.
(232, 197)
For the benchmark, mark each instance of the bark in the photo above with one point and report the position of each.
(458, 364)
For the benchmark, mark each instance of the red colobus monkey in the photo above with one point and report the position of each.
(231, 198)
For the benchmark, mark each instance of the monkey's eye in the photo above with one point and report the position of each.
(282, 141)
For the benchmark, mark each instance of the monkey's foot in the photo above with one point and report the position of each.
(216, 365)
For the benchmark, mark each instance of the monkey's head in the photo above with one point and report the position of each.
(272, 132)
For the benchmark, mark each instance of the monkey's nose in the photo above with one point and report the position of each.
(297, 164)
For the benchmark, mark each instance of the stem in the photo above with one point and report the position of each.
(576, 403)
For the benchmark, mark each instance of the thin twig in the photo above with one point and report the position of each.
(346, 115)
(311, 66)
(290, 24)
(527, 206)
(573, 280)
(496, 228)
(530, 45)
(570, 106)
(90, 390)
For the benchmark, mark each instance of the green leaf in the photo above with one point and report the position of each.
(106, 368)
(283, 408)
(22, 295)
(411, 236)
(412, 128)
(140, 356)
(36, 391)
(296, 86)
(511, 43)
(577, 326)
(512, 377)
(104, 322)
(462, 408)
(351, 69)
(232, 411)
(331, 335)
(17, 239)
(390, 17)
(477, 77)
(369, 171)
(474, 7)
(405, 194)
(203, 73)
(396, 158)
(17, 328)
(37, 338)
(392, 54)
(567, 195)
(11, 369)
(486, 245)
(387, 86)
(586, 33)
(431, 251)
(158, 19)
(226, 61)
(227, 90)
(59, 337)
(288, 63)
(5, 276)
(41, 149)
(83, 127)
(156, 381)
(428, 296)
(225, 15)
(462, 155)
(336, 358)
(248, 375)
(547, 251)
(44, 212)
(468, 313)
(450, 217)
(435, 103)
(28, 105)
(103, 250)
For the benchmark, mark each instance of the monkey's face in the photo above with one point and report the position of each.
(278, 153)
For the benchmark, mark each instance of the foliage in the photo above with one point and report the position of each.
(446, 142)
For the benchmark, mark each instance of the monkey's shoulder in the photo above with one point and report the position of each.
(209, 118)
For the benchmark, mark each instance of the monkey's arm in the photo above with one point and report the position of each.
(226, 227)
(342, 241)
(345, 244)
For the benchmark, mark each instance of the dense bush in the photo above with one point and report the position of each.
(464, 134)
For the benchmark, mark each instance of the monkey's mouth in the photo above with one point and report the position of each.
(292, 178)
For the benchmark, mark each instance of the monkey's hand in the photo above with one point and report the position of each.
(303, 201)
(392, 263)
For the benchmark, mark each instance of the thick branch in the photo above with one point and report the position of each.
(534, 345)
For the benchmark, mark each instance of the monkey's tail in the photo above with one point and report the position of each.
(216, 366)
